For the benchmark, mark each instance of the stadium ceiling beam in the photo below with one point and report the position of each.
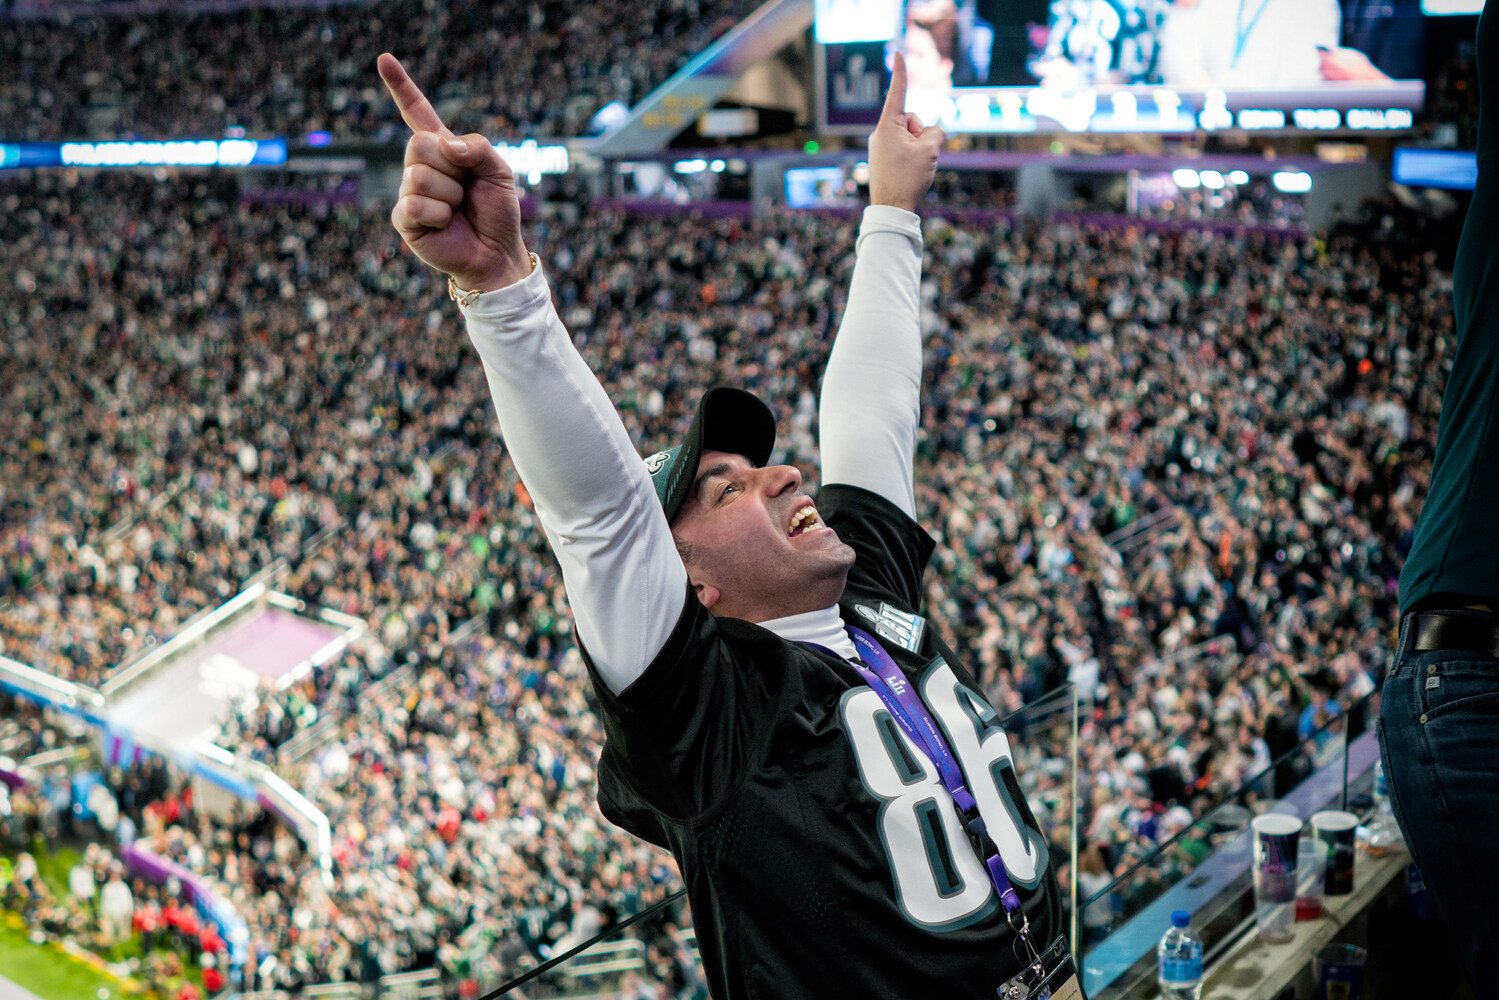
(707, 77)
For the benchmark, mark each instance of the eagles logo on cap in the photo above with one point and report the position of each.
(726, 419)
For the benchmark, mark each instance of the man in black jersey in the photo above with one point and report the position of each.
(1439, 712)
(822, 853)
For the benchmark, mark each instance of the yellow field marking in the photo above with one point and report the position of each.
(80, 955)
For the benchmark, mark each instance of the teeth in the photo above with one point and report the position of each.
(804, 518)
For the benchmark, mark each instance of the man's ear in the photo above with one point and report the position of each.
(707, 594)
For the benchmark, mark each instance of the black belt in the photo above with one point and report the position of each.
(1473, 631)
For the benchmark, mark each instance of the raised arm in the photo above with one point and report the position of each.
(870, 404)
(458, 211)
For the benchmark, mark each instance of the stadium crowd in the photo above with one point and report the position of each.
(1178, 468)
(548, 67)
(462, 804)
(27, 730)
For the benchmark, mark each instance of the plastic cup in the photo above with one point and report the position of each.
(1309, 873)
(1226, 822)
(1339, 969)
(1335, 832)
(1275, 838)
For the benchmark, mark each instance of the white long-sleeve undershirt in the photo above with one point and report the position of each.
(625, 581)
(871, 392)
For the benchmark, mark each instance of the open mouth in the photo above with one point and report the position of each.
(803, 521)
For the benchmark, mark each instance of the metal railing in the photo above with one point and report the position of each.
(333, 991)
(1224, 649)
(321, 731)
(62, 755)
(119, 529)
(424, 984)
(1143, 529)
(608, 958)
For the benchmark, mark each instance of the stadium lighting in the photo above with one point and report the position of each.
(1215, 114)
(1292, 181)
(530, 159)
(1185, 178)
(690, 166)
(1211, 179)
(168, 153)
(1262, 118)
(716, 166)
(1238, 178)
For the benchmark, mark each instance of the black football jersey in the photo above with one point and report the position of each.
(821, 854)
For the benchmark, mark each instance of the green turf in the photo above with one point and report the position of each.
(54, 864)
(48, 973)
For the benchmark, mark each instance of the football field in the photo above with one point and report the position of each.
(10, 991)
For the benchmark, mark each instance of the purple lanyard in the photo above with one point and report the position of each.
(890, 683)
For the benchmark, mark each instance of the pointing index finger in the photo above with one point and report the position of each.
(895, 97)
(416, 110)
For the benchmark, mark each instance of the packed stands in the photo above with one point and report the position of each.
(546, 68)
(1267, 404)
(1175, 466)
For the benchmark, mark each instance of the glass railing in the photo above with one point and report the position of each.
(1043, 744)
(1205, 868)
(659, 947)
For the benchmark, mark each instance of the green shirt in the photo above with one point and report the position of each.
(1456, 548)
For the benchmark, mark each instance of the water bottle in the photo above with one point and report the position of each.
(1383, 832)
(1420, 898)
(1179, 960)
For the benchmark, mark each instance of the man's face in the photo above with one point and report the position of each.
(755, 547)
(926, 69)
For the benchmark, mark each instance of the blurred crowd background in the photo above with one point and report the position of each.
(1177, 467)
(229, 379)
(543, 68)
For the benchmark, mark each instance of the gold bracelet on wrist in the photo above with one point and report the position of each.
(466, 299)
(458, 295)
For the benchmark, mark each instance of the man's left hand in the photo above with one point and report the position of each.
(902, 152)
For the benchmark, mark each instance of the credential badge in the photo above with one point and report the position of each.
(902, 628)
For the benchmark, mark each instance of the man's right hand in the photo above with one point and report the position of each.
(458, 209)
(902, 153)
(1343, 63)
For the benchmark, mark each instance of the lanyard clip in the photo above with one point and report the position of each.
(1024, 950)
(973, 822)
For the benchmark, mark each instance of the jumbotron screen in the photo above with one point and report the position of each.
(1444, 8)
(1014, 66)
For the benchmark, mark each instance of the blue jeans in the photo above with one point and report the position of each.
(1439, 736)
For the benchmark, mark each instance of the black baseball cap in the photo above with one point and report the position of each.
(727, 419)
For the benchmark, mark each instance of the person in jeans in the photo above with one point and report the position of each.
(1439, 715)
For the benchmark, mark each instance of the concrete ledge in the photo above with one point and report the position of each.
(1255, 970)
